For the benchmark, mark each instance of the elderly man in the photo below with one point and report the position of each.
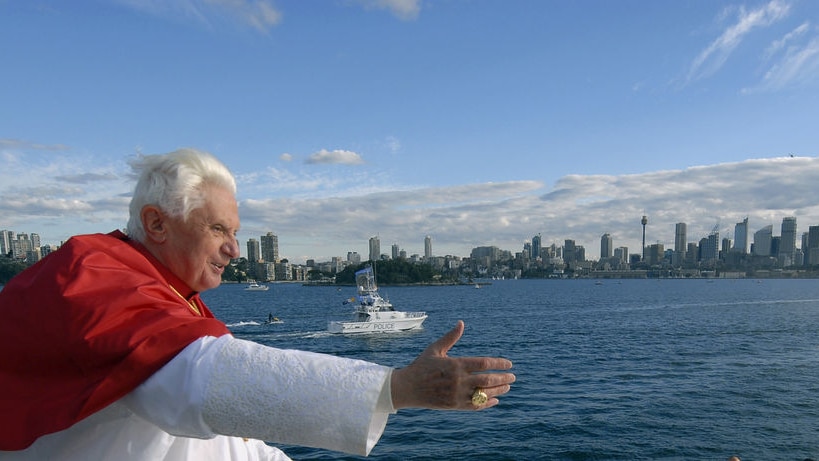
(109, 353)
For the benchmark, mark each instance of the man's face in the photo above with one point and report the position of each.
(198, 250)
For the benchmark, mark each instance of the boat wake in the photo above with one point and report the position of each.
(242, 323)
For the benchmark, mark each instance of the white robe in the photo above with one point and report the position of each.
(218, 391)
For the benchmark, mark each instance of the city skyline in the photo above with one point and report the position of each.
(266, 246)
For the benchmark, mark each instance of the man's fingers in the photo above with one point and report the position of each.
(481, 364)
(440, 347)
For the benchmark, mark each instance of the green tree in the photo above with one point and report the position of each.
(236, 272)
(392, 272)
(9, 268)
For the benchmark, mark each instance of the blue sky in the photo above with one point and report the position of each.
(474, 122)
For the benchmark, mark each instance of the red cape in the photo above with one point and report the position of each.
(84, 327)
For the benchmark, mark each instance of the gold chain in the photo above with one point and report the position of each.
(190, 303)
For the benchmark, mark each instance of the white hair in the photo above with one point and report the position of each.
(174, 182)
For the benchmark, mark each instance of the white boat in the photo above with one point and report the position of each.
(256, 287)
(374, 314)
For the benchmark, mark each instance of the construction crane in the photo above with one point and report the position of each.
(715, 229)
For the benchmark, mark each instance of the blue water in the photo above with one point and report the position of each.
(623, 370)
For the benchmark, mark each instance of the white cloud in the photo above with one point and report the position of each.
(339, 156)
(402, 9)
(393, 144)
(799, 65)
(258, 14)
(56, 192)
(791, 36)
(8, 145)
(713, 57)
(86, 178)
(261, 15)
(578, 207)
(320, 215)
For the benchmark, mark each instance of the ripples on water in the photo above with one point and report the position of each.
(637, 369)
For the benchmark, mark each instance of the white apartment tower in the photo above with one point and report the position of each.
(270, 247)
(6, 237)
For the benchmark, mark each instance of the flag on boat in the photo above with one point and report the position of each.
(365, 279)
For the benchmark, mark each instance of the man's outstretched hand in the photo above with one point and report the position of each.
(435, 380)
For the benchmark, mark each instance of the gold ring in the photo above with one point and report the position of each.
(479, 397)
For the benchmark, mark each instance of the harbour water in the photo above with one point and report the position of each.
(614, 370)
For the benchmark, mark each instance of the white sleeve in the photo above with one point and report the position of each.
(172, 398)
(234, 387)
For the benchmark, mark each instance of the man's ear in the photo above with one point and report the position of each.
(153, 221)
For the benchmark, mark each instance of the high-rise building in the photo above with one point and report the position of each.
(812, 253)
(680, 241)
(655, 254)
(787, 242)
(487, 256)
(46, 249)
(375, 248)
(253, 252)
(710, 250)
(691, 254)
(396, 251)
(569, 251)
(762, 241)
(606, 246)
(805, 248)
(725, 247)
(22, 246)
(270, 247)
(621, 253)
(253, 258)
(428, 247)
(527, 250)
(680, 237)
(741, 236)
(6, 237)
(35, 240)
(283, 271)
(536, 245)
